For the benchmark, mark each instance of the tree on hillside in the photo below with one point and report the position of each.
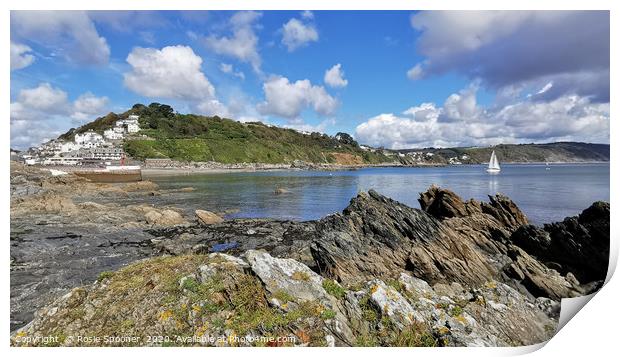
(346, 139)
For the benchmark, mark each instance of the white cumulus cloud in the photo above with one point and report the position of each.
(44, 98)
(296, 34)
(43, 112)
(334, 77)
(462, 122)
(243, 43)
(423, 112)
(567, 118)
(71, 34)
(88, 105)
(213, 107)
(461, 106)
(172, 72)
(395, 132)
(287, 100)
(25, 134)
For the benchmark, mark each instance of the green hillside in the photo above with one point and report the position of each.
(551, 152)
(189, 137)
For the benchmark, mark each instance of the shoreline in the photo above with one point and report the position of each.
(166, 171)
(173, 171)
(211, 168)
(196, 169)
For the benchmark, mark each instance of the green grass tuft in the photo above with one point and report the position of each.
(455, 311)
(191, 284)
(333, 288)
(105, 275)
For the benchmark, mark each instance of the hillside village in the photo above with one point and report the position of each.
(88, 148)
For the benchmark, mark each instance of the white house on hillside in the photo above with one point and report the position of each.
(69, 146)
(133, 127)
(130, 124)
(112, 134)
(88, 137)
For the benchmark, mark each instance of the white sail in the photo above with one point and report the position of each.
(493, 163)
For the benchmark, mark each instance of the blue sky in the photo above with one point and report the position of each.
(391, 78)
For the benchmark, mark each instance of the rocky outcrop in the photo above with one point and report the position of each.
(25, 180)
(392, 305)
(539, 280)
(287, 275)
(505, 211)
(492, 314)
(578, 245)
(378, 237)
(211, 300)
(194, 300)
(442, 203)
(207, 217)
(44, 202)
(165, 217)
(293, 279)
(282, 239)
(449, 240)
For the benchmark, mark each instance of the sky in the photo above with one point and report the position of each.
(397, 79)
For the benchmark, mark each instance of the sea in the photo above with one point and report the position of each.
(544, 193)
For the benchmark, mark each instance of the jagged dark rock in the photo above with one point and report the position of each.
(442, 203)
(539, 280)
(377, 237)
(577, 245)
(505, 211)
(447, 241)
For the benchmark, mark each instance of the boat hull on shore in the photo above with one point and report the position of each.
(112, 174)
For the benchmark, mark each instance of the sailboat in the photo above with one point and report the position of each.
(493, 164)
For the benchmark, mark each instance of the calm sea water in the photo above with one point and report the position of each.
(544, 195)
